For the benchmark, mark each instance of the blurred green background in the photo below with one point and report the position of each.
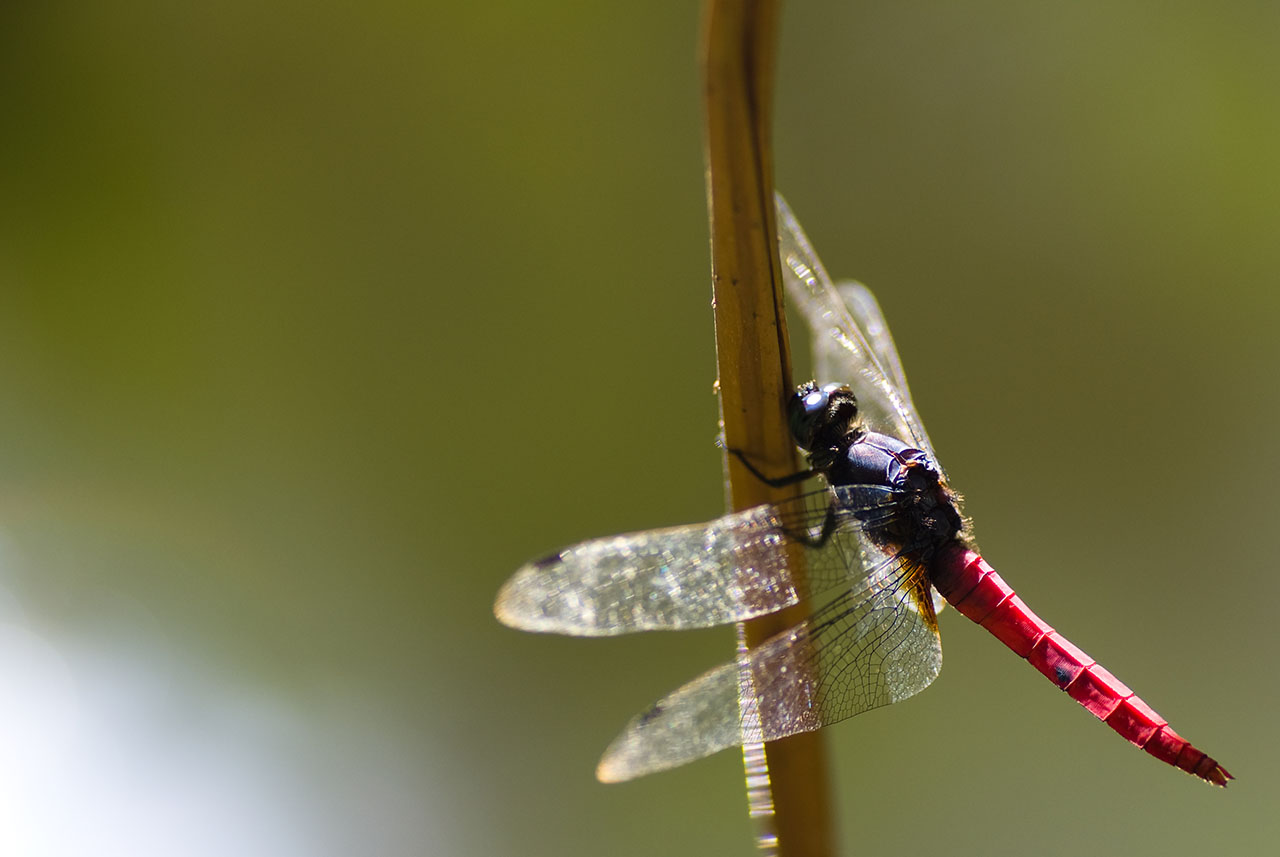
(317, 319)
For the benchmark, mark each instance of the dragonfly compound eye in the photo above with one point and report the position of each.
(814, 410)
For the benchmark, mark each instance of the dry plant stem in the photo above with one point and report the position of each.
(739, 39)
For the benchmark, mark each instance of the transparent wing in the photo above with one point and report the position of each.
(851, 341)
(867, 315)
(871, 645)
(729, 570)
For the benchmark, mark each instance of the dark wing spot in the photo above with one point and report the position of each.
(550, 559)
(651, 713)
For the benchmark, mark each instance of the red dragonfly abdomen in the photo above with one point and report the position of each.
(974, 588)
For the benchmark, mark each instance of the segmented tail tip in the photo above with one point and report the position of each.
(1214, 774)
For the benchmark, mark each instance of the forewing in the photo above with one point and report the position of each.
(870, 646)
(734, 568)
(867, 315)
(851, 342)
(694, 576)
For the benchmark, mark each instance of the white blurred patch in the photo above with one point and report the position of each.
(119, 746)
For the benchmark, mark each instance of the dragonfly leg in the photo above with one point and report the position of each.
(828, 529)
(779, 482)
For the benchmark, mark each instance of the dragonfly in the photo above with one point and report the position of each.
(884, 547)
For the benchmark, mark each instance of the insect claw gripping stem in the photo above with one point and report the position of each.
(828, 529)
(828, 523)
(779, 482)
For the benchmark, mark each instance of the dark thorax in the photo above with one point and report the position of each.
(825, 423)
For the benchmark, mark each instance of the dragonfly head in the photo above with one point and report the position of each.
(821, 416)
